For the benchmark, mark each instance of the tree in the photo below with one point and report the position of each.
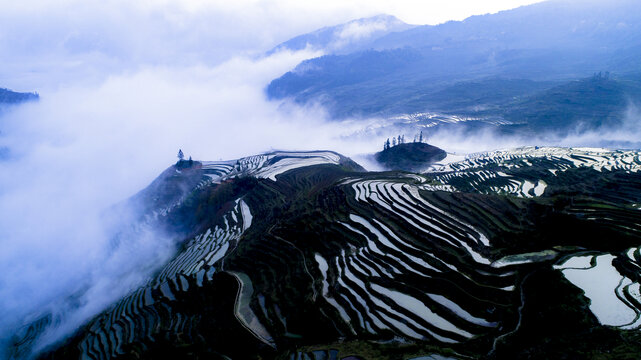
(386, 145)
(393, 141)
(181, 156)
(403, 139)
(420, 137)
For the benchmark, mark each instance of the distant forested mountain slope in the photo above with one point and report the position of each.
(11, 97)
(591, 103)
(7, 99)
(504, 57)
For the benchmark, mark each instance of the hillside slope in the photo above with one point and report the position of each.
(532, 48)
(294, 255)
(591, 103)
(8, 97)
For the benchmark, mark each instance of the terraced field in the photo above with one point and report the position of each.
(267, 165)
(615, 297)
(528, 171)
(364, 274)
(304, 256)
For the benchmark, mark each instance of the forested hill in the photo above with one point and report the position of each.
(11, 97)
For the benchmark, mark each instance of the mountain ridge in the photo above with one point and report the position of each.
(342, 38)
(8, 97)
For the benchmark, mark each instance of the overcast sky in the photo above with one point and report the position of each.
(49, 43)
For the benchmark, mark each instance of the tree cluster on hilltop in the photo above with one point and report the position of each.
(400, 139)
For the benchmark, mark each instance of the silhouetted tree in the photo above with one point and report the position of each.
(393, 141)
(181, 156)
(420, 137)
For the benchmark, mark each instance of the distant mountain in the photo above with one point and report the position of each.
(522, 253)
(352, 36)
(592, 26)
(528, 107)
(8, 97)
(589, 104)
(503, 57)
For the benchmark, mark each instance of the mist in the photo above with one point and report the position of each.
(122, 87)
(103, 129)
(627, 135)
(81, 149)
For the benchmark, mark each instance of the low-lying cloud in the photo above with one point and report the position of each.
(120, 94)
(626, 135)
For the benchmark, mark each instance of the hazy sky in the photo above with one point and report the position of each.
(47, 43)
(410, 11)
